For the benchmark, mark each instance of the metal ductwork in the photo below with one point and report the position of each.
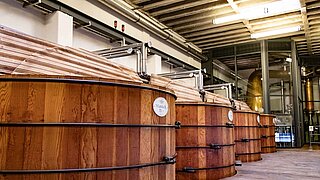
(254, 88)
(155, 27)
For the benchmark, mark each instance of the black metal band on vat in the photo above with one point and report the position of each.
(193, 170)
(166, 160)
(246, 126)
(228, 125)
(246, 140)
(210, 146)
(26, 124)
(237, 154)
(268, 146)
(267, 126)
(265, 136)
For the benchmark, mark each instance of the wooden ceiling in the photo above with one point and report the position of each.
(193, 20)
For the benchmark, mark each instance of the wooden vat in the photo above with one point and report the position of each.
(63, 128)
(247, 136)
(268, 144)
(205, 142)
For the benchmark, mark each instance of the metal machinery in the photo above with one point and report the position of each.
(311, 104)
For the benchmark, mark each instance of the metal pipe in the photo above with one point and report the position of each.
(265, 76)
(120, 48)
(236, 71)
(225, 86)
(155, 27)
(138, 61)
(128, 51)
(282, 97)
(144, 58)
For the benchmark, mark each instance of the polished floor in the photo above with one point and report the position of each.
(297, 164)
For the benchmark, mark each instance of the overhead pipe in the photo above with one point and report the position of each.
(155, 27)
(139, 57)
(254, 88)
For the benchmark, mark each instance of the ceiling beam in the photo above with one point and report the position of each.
(180, 6)
(159, 4)
(221, 34)
(208, 29)
(195, 10)
(244, 21)
(306, 25)
(222, 38)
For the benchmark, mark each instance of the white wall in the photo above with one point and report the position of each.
(26, 20)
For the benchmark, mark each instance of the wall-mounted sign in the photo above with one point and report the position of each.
(274, 120)
(160, 106)
(311, 128)
(230, 115)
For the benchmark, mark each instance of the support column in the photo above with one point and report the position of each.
(236, 72)
(154, 64)
(297, 120)
(59, 28)
(265, 76)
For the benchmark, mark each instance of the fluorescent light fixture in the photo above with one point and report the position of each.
(288, 59)
(262, 10)
(227, 19)
(275, 32)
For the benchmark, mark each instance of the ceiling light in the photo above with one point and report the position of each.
(275, 32)
(227, 19)
(262, 10)
(288, 59)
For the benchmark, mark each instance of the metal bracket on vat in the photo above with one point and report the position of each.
(245, 140)
(215, 146)
(238, 163)
(193, 170)
(178, 124)
(264, 136)
(166, 160)
(230, 125)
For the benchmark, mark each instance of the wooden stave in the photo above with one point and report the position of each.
(191, 153)
(134, 94)
(247, 151)
(268, 144)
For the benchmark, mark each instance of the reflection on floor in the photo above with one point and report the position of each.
(297, 164)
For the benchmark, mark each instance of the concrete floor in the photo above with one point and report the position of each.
(297, 164)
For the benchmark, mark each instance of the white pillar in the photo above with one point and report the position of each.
(154, 64)
(59, 28)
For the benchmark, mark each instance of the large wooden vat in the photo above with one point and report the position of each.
(62, 128)
(205, 142)
(268, 144)
(247, 136)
